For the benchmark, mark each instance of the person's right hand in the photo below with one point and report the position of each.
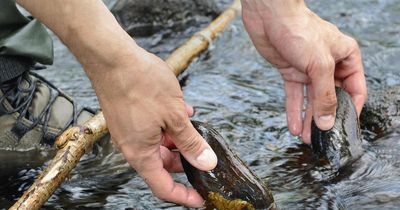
(140, 96)
(146, 115)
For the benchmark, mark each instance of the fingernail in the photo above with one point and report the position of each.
(207, 159)
(326, 122)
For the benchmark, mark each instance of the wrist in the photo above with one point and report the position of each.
(275, 8)
(101, 48)
(120, 74)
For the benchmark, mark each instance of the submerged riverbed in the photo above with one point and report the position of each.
(236, 91)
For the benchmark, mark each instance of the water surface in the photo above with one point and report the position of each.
(241, 95)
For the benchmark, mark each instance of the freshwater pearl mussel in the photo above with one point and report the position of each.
(342, 144)
(231, 185)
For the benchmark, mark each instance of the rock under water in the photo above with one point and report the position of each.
(144, 18)
(381, 113)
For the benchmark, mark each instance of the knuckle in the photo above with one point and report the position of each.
(138, 163)
(288, 74)
(329, 101)
(365, 95)
(178, 122)
(167, 194)
(333, 27)
(353, 43)
(162, 194)
(320, 65)
(191, 144)
(137, 158)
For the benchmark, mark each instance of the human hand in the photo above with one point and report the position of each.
(146, 115)
(307, 51)
(140, 97)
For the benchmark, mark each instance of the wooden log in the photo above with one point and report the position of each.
(74, 142)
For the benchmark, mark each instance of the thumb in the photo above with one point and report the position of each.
(191, 144)
(323, 92)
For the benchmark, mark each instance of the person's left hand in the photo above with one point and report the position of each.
(307, 51)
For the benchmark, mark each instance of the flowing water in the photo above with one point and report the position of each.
(235, 90)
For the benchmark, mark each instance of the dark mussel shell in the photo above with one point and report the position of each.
(342, 144)
(231, 178)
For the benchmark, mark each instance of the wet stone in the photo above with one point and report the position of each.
(145, 18)
(381, 113)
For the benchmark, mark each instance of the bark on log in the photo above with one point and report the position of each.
(75, 141)
(180, 59)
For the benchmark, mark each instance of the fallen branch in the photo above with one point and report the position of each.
(180, 59)
(74, 142)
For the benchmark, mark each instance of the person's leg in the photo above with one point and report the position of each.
(23, 41)
(32, 111)
(21, 36)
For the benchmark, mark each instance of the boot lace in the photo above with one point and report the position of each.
(21, 98)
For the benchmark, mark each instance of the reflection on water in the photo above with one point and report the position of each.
(233, 89)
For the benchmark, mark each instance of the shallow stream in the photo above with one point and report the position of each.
(235, 90)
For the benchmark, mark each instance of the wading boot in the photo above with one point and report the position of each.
(33, 112)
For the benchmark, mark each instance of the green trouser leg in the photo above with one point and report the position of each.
(23, 37)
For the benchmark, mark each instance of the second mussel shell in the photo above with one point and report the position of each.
(231, 182)
(342, 144)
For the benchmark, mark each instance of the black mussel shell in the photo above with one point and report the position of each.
(231, 178)
(342, 144)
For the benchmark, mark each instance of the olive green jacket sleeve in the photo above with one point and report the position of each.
(22, 36)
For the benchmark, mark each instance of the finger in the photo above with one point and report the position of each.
(164, 187)
(321, 72)
(189, 110)
(359, 101)
(190, 143)
(306, 134)
(293, 75)
(294, 104)
(355, 85)
(351, 72)
(171, 160)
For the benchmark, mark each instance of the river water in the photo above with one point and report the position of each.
(235, 90)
